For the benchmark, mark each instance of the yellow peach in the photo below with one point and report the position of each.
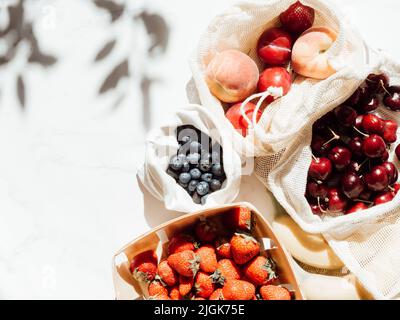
(309, 53)
(232, 76)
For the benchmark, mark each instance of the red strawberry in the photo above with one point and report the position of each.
(217, 295)
(185, 285)
(271, 292)
(181, 242)
(239, 218)
(238, 290)
(297, 18)
(260, 271)
(226, 270)
(203, 285)
(244, 247)
(185, 263)
(167, 274)
(174, 293)
(157, 288)
(208, 258)
(223, 248)
(160, 297)
(144, 266)
(206, 231)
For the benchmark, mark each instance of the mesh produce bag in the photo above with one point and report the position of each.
(367, 241)
(162, 144)
(240, 28)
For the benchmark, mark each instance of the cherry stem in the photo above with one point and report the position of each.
(360, 132)
(362, 163)
(319, 206)
(391, 188)
(384, 89)
(364, 201)
(335, 137)
(314, 157)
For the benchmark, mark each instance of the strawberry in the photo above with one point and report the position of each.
(181, 242)
(185, 285)
(206, 231)
(185, 263)
(260, 271)
(144, 266)
(174, 293)
(244, 247)
(226, 270)
(270, 292)
(217, 295)
(203, 285)
(159, 297)
(157, 288)
(223, 248)
(297, 18)
(238, 290)
(239, 218)
(167, 274)
(208, 258)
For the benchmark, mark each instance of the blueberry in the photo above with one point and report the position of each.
(196, 198)
(195, 146)
(195, 173)
(204, 199)
(192, 185)
(172, 173)
(175, 163)
(185, 177)
(202, 188)
(207, 177)
(205, 165)
(217, 170)
(193, 158)
(215, 185)
(185, 167)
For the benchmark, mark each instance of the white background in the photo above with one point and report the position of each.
(69, 197)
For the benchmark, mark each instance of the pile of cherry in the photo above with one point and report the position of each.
(350, 171)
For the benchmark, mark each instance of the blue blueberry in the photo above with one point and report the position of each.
(207, 177)
(196, 198)
(217, 170)
(195, 173)
(192, 185)
(193, 158)
(185, 167)
(185, 177)
(202, 188)
(205, 165)
(175, 163)
(215, 185)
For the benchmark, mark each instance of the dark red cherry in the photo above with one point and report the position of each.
(390, 131)
(392, 98)
(391, 171)
(320, 168)
(345, 115)
(352, 185)
(337, 202)
(358, 122)
(340, 157)
(318, 209)
(377, 179)
(333, 180)
(356, 167)
(365, 195)
(356, 146)
(397, 151)
(396, 188)
(369, 104)
(374, 146)
(319, 145)
(377, 83)
(354, 98)
(322, 123)
(356, 207)
(316, 190)
(383, 197)
(372, 124)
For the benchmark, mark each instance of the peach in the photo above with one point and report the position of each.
(309, 53)
(232, 76)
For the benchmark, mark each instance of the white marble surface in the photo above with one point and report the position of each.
(69, 197)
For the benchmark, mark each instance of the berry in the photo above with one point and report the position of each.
(374, 146)
(203, 285)
(336, 201)
(392, 98)
(175, 163)
(238, 290)
(217, 295)
(174, 293)
(244, 247)
(345, 115)
(390, 131)
(316, 190)
(320, 168)
(358, 206)
(340, 157)
(185, 178)
(180, 242)
(193, 158)
(207, 177)
(185, 285)
(157, 288)
(352, 185)
(226, 270)
(144, 266)
(223, 248)
(391, 171)
(383, 197)
(208, 258)
(202, 188)
(206, 231)
(260, 271)
(186, 263)
(377, 83)
(297, 18)
(167, 274)
(217, 170)
(205, 165)
(372, 124)
(271, 292)
(215, 185)
(377, 179)
(192, 185)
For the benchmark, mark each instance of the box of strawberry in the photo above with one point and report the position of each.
(223, 253)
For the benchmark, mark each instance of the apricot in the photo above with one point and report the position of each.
(232, 76)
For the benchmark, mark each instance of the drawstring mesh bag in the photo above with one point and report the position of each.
(240, 28)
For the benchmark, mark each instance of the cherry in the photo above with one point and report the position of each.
(336, 201)
(377, 83)
(356, 146)
(319, 145)
(320, 168)
(369, 104)
(383, 197)
(396, 188)
(365, 195)
(392, 98)
(316, 190)
(374, 146)
(390, 131)
(345, 115)
(355, 167)
(358, 122)
(354, 98)
(322, 123)
(372, 124)
(340, 157)
(377, 179)
(391, 172)
(333, 181)
(358, 206)
(318, 208)
(397, 152)
(352, 185)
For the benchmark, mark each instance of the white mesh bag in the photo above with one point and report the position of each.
(367, 241)
(162, 144)
(240, 28)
